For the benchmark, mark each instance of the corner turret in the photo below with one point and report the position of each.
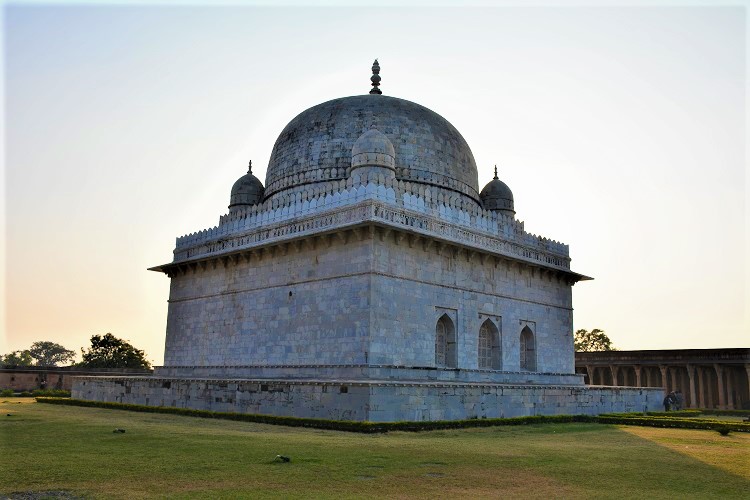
(247, 191)
(498, 197)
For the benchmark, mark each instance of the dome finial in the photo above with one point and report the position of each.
(250, 167)
(495, 172)
(375, 78)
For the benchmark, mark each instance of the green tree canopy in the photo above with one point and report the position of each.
(107, 351)
(17, 358)
(594, 340)
(47, 353)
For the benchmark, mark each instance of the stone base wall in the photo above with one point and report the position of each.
(431, 402)
(30, 378)
(29, 381)
(367, 401)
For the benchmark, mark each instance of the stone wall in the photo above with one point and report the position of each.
(29, 378)
(434, 402)
(371, 299)
(300, 306)
(377, 402)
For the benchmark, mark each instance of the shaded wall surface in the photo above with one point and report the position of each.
(299, 305)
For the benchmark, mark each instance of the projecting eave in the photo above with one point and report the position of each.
(580, 277)
(169, 268)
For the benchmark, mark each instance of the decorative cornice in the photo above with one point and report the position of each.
(234, 245)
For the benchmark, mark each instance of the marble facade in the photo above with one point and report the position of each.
(370, 261)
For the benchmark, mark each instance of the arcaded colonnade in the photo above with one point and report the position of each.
(708, 378)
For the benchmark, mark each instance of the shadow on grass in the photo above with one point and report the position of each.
(657, 462)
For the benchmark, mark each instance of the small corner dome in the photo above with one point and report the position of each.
(247, 191)
(496, 195)
(373, 148)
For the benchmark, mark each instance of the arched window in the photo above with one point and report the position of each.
(445, 343)
(528, 355)
(489, 346)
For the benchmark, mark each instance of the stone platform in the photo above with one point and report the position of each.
(375, 401)
(368, 372)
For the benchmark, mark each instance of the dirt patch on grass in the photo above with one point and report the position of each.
(17, 401)
(41, 495)
(462, 482)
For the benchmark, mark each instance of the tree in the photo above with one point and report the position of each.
(17, 358)
(50, 354)
(594, 340)
(107, 351)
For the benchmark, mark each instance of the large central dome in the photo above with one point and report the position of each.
(316, 146)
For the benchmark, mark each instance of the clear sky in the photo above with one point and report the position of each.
(620, 130)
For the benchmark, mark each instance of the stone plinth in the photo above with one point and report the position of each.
(368, 373)
(375, 401)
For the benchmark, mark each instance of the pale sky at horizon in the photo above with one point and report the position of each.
(621, 132)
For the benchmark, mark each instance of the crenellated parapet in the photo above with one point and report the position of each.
(411, 207)
(453, 208)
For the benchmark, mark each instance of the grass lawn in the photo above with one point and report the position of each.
(52, 448)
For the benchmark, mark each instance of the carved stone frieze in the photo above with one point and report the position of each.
(369, 212)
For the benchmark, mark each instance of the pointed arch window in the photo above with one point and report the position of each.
(489, 356)
(528, 353)
(445, 343)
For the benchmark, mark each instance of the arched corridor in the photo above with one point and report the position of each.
(707, 378)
